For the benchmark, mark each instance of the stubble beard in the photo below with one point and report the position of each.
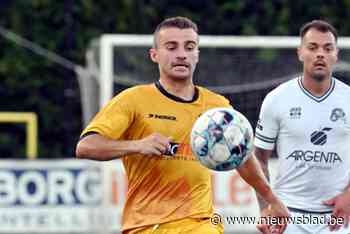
(319, 77)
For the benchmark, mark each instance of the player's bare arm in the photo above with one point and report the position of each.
(263, 157)
(251, 172)
(267, 208)
(100, 148)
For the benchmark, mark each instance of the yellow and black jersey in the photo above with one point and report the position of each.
(161, 188)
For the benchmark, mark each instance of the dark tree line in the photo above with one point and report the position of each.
(32, 83)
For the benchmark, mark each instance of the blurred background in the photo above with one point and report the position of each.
(30, 82)
(44, 60)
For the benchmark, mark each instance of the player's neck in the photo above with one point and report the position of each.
(183, 89)
(316, 88)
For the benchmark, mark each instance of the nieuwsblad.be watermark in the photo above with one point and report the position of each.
(217, 219)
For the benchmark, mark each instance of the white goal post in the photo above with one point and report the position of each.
(228, 65)
(109, 41)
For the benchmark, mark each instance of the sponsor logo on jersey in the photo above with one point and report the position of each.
(172, 149)
(338, 114)
(315, 156)
(165, 117)
(295, 112)
(180, 151)
(319, 137)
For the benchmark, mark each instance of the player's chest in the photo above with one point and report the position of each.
(168, 120)
(316, 119)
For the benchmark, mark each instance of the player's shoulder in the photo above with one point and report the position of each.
(341, 84)
(137, 90)
(207, 92)
(210, 95)
(284, 89)
(281, 94)
(341, 89)
(132, 95)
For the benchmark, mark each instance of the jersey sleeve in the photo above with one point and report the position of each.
(267, 126)
(114, 119)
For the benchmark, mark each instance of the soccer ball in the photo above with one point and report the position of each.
(222, 139)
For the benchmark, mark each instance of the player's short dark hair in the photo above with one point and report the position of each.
(319, 25)
(174, 22)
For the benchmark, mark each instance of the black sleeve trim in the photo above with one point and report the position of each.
(264, 138)
(87, 134)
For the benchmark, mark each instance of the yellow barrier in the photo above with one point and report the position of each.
(31, 121)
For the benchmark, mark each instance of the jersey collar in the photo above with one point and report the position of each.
(313, 97)
(175, 98)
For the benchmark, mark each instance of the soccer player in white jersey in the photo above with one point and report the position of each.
(307, 121)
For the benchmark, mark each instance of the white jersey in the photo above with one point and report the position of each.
(312, 138)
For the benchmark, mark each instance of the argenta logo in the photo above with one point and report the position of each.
(315, 156)
(319, 137)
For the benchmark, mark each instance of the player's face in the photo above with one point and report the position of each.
(176, 53)
(318, 52)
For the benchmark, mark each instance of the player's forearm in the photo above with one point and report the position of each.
(262, 203)
(263, 156)
(253, 174)
(97, 147)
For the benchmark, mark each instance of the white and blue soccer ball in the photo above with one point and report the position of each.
(222, 139)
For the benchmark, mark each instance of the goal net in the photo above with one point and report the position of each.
(242, 68)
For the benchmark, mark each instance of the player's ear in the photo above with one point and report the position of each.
(336, 54)
(300, 55)
(153, 54)
(198, 52)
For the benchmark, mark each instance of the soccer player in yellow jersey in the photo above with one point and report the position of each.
(148, 127)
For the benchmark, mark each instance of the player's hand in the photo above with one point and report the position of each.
(275, 212)
(154, 144)
(341, 211)
(262, 226)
